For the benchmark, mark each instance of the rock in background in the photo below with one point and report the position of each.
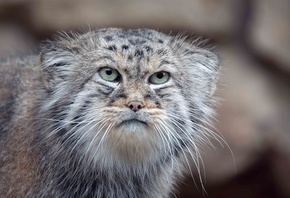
(253, 41)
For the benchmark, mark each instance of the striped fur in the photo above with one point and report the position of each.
(78, 128)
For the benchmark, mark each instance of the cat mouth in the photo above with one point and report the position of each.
(132, 121)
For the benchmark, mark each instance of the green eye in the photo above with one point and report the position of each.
(109, 74)
(159, 78)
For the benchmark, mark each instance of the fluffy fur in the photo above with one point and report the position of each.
(67, 132)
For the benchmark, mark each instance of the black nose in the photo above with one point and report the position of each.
(135, 105)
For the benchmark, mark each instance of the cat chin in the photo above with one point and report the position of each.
(126, 145)
(135, 141)
(132, 127)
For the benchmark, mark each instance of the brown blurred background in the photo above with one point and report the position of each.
(252, 37)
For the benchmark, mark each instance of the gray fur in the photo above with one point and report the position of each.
(62, 125)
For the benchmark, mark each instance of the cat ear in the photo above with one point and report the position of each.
(212, 64)
(56, 61)
(205, 66)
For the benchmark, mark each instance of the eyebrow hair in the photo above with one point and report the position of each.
(106, 58)
(164, 62)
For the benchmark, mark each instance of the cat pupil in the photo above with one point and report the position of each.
(159, 75)
(109, 72)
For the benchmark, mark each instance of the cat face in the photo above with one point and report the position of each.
(130, 95)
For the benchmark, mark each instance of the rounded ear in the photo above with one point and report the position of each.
(210, 61)
(204, 66)
(56, 61)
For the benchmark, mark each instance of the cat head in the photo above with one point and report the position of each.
(131, 95)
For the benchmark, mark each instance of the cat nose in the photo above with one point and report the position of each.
(135, 105)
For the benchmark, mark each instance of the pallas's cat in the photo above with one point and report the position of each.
(110, 113)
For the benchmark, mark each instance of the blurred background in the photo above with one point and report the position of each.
(252, 38)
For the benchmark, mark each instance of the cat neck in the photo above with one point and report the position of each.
(75, 180)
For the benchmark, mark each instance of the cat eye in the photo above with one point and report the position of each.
(159, 78)
(109, 74)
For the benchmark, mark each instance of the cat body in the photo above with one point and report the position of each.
(110, 113)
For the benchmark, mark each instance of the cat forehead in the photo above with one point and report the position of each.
(133, 37)
(122, 39)
(131, 46)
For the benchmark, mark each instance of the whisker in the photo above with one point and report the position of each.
(173, 133)
(84, 134)
(194, 158)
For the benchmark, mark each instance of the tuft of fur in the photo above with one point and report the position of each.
(66, 132)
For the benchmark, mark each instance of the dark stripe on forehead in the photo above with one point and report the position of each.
(136, 41)
(160, 41)
(130, 58)
(125, 47)
(139, 54)
(148, 49)
(112, 48)
(108, 38)
(138, 67)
